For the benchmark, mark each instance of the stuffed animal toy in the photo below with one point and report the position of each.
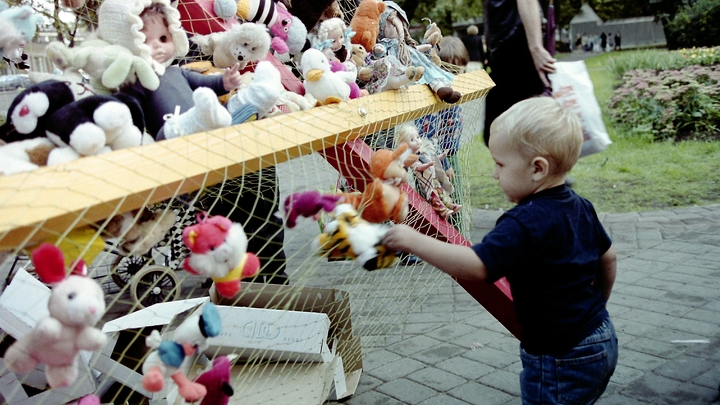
(243, 43)
(217, 382)
(380, 202)
(387, 73)
(168, 356)
(383, 199)
(218, 250)
(17, 27)
(95, 125)
(433, 36)
(110, 66)
(262, 92)
(76, 304)
(432, 180)
(307, 204)
(396, 40)
(326, 86)
(389, 166)
(140, 230)
(79, 85)
(355, 91)
(366, 22)
(225, 9)
(289, 34)
(29, 114)
(24, 156)
(349, 236)
(258, 11)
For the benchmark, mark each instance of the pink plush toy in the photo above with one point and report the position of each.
(307, 204)
(76, 304)
(218, 250)
(217, 382)
(289, 33)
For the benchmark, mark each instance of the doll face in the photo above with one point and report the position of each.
(338, 37)
(413, 140)
(158, 38)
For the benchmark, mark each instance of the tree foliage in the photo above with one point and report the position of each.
(697, 24)
(66, 22)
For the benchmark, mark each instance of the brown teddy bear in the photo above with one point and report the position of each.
(366, 23)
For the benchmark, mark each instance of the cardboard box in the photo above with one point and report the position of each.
(304, 383)
(271, 334)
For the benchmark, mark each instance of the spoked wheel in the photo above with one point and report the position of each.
(125, 267)
(153, 285)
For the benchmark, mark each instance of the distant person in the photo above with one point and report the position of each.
(578, 42)
(610, 41)
(603, 41)
(585, 42)
(617, 41)
(475, 48)
(518, 60)
(551, 248)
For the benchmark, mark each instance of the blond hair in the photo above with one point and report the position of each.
(539, 126)
(472, 30)
(452, 50)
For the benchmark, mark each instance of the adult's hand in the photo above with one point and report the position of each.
(530, 14)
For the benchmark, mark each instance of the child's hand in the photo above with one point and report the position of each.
(399, 237)
(232, 79)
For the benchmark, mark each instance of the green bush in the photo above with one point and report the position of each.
(669, 104)
(697, 24)
(661, 59)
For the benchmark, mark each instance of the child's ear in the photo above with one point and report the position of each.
(541, 168)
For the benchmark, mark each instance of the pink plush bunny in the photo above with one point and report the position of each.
(76, 304)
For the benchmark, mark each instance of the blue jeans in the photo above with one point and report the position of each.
(577, 377)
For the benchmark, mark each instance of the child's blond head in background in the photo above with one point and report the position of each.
(539, 126)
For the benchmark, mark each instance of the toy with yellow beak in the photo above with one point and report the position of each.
(326, 86)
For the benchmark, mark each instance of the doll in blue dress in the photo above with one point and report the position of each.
(395, 40)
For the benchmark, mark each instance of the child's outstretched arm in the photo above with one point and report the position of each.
(456, 260)
(605, 278)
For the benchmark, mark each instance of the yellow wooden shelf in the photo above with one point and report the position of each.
(52, 200)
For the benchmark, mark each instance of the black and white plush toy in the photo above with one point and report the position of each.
(30, 111)
(95, 125)
(27, 147)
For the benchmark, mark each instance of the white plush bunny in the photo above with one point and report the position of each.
(76, 304)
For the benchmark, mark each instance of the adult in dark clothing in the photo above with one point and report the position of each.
(474, 45)
(603, 41)
(518, 61)
(617, 41)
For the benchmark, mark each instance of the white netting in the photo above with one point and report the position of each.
(243, 172)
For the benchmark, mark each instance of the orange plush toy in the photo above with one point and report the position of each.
(366, 23)
(383, 199)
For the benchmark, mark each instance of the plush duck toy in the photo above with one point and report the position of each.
(326, 86)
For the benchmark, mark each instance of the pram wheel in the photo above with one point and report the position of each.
(125, 267)
(154, 284)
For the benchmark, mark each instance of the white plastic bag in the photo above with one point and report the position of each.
(572, 89)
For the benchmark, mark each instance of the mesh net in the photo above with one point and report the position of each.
(243, 172)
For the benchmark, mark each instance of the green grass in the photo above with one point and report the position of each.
(630, 175)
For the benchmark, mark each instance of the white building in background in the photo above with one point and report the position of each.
(634, 32)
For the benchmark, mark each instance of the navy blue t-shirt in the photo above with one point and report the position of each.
(549, 247)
